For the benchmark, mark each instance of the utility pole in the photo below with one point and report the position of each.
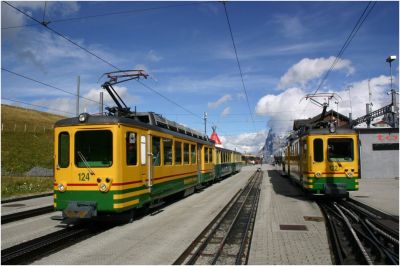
(351, 109)
(205, 123)
(395, 96)
(77, 95)
(101, 103)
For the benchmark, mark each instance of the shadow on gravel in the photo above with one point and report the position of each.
(285, 187)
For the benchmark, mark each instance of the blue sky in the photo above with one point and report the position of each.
(284, 48)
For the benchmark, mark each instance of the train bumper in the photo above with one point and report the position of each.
(82, 210)
(335, 189)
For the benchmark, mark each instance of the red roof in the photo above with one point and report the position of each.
(215, 137)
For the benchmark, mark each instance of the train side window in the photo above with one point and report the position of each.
(156, 151)
(63, 149)
(193, 150)
(167, 143)
(206, 155)
(211, 155)
(185, 153)
(178, 152)
(318, 150)
(131, 148)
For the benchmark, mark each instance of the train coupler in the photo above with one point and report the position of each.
(336, 189)
(80, 209)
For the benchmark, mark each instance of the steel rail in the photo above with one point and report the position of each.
(234, 221)
(19, 254)
(205, 243)
(27, 252)
(12, 217)
(336, 245)
(394, 259)
(376, 243)
(186, 253)
(355, 236)
(26, 197)
(192, 254)
(251, 220)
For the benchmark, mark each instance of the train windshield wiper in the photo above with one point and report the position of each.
(85, 162)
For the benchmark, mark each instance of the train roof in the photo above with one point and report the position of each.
(147, 120)
(321, 131)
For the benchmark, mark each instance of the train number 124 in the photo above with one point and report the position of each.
(83, 176)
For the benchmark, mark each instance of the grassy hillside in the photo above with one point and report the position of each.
(26, 139)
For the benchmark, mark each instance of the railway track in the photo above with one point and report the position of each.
(8, 218)
(226, 240)
(361, 235)
(27, 252)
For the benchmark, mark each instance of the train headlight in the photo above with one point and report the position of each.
(103, 187)
(317, 174)
(61, 187)
(332, 127)
(349, 174)
(83, 117)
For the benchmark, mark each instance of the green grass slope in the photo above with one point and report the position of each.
(26, 139)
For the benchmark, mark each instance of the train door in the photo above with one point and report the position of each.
(318, 165)
(145, 160)
(303, 158)
(63, 156)
(199, 160)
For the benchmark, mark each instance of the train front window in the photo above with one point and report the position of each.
(93, 148)
(340, 150)
(63, 150)
(318, 150)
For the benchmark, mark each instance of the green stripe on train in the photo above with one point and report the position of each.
(105, 201)
(318, 183)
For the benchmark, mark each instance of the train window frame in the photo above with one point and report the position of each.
(339, 159)
(206, 155)
(321, 151)
(60, 154)
(178, 152)
(131, 140)
(211, 155)
(193, 152)
(186, 153)
(165, 152)
(87, 160)
(156, 159)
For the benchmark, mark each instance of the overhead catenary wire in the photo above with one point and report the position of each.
(238, 62)
(111, 14)
(47, 85)
(350, 37)
(36, 105)
(98, 57)
(354, 31)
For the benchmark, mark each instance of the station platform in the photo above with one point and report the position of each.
(289, 228)
(379, 193)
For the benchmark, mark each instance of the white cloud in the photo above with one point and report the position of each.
(308, 69)
(246, 142)
(290, 26)
(153, 56)
(45, 50)
(226, 112)
(359, 95)
(284, 108)
(68, 104)
(223, 99)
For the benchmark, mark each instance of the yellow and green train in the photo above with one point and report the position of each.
(323, 162)
(110, 164)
